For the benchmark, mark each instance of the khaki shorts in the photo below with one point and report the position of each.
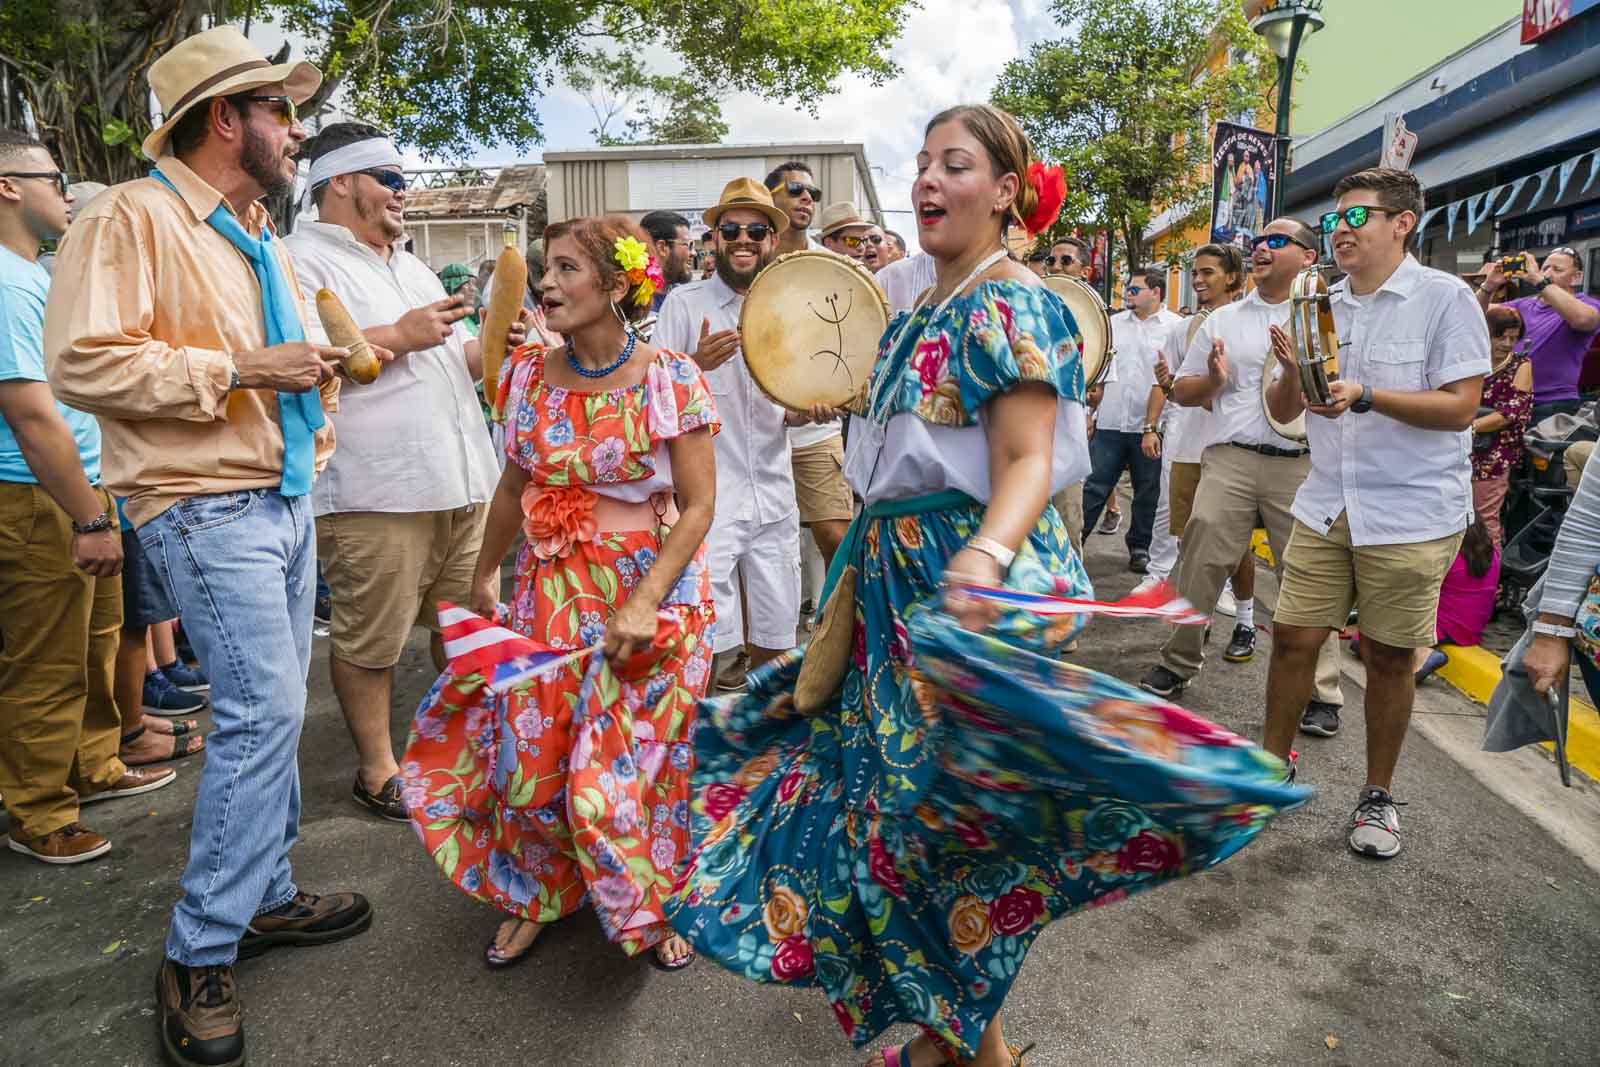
(1394, 587)
(387, 570)
(819, 486)
(1182, 481)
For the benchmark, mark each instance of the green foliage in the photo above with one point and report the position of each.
(633, 106)
(1124, 102)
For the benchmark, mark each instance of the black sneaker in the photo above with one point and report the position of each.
(1110, 522)
(199, 1014)
(322, 609)
(1162, 682)
(1242, 645)
(307, 919)
(1320, 719)
(1139, 562)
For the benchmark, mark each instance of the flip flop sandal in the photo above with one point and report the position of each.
(662, 965)
(500, 963)
(181, 747)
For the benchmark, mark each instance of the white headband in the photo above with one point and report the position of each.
(362, 155)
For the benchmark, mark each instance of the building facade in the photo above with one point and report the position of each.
(461, 214)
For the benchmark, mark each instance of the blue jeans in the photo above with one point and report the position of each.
(1110, 453)
(241, 568)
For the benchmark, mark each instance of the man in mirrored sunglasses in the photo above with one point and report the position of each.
(401, 507)
(843, 230)
(1379, 518)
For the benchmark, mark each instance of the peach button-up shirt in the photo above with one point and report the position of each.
(147, 305)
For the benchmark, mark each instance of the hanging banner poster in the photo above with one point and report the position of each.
(1243, 175)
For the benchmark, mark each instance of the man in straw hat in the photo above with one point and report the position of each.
(176, 318)
(841, 229)
(756, 532)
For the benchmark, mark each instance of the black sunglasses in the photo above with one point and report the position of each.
(282, 105)
(1065, 261)
(60, 177)
(756, 231)
(795, 188)
(392, 180)
(1276, 241)
(1356, 216)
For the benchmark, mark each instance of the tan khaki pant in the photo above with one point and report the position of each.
(1069, 502)
(59, 726)
(1236, 485)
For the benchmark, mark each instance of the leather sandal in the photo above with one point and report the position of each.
(181, 746)
(495, 962)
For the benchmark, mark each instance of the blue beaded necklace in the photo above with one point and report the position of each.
(627, 352)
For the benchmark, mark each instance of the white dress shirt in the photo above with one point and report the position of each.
(1186, 429)
(754, 479)
(1400, 484)
(1237, 413)
(904, 280)
(415, 439)
(1137, 342)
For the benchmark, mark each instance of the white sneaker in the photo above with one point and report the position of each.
(1375, 825)
(1226, 604)
(1146, 582)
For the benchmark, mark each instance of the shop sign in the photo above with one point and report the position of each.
(1542, 17)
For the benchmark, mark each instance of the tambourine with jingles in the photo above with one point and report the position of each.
(1316, 348)
(1094, 325)
(810, 329)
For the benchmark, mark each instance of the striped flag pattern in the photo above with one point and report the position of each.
(474, 645)
(1160, 601)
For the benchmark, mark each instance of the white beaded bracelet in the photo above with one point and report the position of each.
(993, 549)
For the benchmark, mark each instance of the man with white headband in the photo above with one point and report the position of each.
(401, 508)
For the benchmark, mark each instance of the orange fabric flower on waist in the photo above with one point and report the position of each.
(554, 518)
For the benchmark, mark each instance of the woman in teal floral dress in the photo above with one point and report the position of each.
(902, 848)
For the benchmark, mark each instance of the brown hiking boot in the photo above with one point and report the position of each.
(201, 1019)
(307, 919)
(73, 843)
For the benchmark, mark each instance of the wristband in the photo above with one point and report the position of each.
(993, 549)
(1362, 404)
(95, 525)
(1550, 629)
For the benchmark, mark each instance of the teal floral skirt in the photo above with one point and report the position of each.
(903, 849)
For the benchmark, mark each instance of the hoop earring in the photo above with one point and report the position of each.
(627, 327)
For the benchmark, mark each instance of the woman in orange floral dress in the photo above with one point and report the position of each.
(574, 786)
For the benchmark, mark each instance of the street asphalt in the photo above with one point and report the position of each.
(1479, 944)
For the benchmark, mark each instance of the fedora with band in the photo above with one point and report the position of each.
(218, 62)
(745, 192)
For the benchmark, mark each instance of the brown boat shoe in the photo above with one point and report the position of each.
(307, 919)
(72, 843)
(135, 781)
(200, 1015)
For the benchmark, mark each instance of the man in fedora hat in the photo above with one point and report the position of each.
(842, 229)
(176, 318)
(756, 530)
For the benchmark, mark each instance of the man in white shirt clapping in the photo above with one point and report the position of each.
(1380, 516)
(400, 508)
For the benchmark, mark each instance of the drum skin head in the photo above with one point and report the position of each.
(810, 329)
(1094, 324)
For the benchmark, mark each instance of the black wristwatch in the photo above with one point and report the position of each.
(1362, 404)
(1541, 285)
(95, 525)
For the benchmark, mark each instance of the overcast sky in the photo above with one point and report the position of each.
(951, 52)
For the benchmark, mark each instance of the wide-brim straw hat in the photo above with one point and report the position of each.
(215, 63)
(836, 217)
(746, 192)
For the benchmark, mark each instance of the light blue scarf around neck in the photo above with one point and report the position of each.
(299, 414)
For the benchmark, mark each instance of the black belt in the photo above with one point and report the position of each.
(1269, 450)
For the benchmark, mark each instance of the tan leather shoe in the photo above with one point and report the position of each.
(137, 780)
(73, 843)
(201, 1018)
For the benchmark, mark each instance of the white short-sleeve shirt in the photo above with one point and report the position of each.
(1185, 428)
(1399, 484)
(1237, 413)
(1127, 394)
(414, 440)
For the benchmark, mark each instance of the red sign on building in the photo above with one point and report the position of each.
(1540, 17)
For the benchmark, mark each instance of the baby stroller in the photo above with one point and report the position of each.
(1536, 503)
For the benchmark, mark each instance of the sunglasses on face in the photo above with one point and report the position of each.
(1356, 216)
(857, 240)
(281, 106)
(1134, 290)
(794, 188)
(756, 231)
(1275, 241)
(392, 180)
(1065, 261)
(58, 176)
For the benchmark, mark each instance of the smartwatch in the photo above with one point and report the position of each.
(1550, 629)
(1362, 404)
(1541, 285)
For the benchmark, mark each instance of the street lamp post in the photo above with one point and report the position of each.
(1283, 24)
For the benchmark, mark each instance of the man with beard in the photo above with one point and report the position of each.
(400, 508)
(755, 534)
(795, 193)
(670, 244)
(176, 318)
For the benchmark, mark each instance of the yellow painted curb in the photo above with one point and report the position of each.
(1476, 672)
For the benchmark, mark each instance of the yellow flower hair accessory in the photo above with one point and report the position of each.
(641, 267)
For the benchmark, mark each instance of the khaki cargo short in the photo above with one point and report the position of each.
(1182, 481)
(387, 570)
(1395, 588)
(819, 485)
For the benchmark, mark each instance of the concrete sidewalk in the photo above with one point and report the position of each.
(1480, 944)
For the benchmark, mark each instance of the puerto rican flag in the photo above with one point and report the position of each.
(474, 645)
(1160, 601)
